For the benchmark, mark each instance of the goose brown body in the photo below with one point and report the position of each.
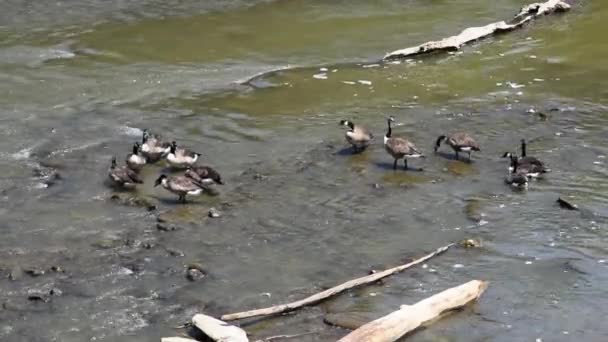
(399, 148)
(459, 142)
(180, 185)
(204, 175)
(123, 176)
(357, 135)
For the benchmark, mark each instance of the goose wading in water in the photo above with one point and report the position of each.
(180, 185)
(519, 177)
(123, 176)
(357, 135)
(153, 148)
(525, 159)
(530, 170)
(134, 160)
(400, 148)
(204, 175)
(181, 157)
(459, 142)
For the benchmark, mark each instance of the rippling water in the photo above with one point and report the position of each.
(81, 79)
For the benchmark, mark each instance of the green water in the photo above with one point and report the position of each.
(80, 79)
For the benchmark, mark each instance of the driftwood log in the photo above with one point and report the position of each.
(273, 310)
(409, 317)
(218, 330)
(177, 339)
(526, 14)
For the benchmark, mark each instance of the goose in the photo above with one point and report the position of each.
(204, 175)
(399, 148)
(530, 170)
(153, 148)
(134, 160)
(517, 180)
(357, 135)
(524, 159)
(181, 158)
(123, 176)
(180, 185)
(460, 142)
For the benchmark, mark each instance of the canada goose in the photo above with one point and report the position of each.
(460, 142)
(180, 185)
(134, 160)
(181, 158)
(524, 159)
(530, 170)
(204, 175)
(153, 148)
(356, 135)
(517, 180)
(123, 176)
(399, 148)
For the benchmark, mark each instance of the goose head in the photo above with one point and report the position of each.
(348, 124)
(438, 142)
(113, 165)
(160, 180)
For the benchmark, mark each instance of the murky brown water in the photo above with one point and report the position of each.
(80, 79)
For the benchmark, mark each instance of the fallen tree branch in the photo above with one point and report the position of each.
(526, 14)
(218, 330)
(471, 34)
(177, 339)
(409, 317)
(283, 337)
(332, 291)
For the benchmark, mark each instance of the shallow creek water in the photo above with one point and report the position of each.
(80, 79)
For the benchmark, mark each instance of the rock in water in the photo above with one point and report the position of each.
(214, 213)
(348, 320)
(566, 205)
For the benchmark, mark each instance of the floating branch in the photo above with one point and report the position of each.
(372, 278)
(409, 317)
(471, 34)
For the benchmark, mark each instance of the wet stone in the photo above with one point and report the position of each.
(166, 227)
(348, 320)
(214, 213)
(175, 252)
(194, 274)
(33, 272)
(16, 273)
(107, 243)
(195, 271)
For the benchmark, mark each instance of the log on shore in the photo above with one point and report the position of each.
(177, 339)
(471, 34)
(218, 330)
(372, 278)
(409, 317)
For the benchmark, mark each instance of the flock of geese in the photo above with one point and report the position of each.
(194, 181)
(197, 179)
(521, 169)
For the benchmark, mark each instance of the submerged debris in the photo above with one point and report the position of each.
(470, 243)
(566, 205)
(214, 213)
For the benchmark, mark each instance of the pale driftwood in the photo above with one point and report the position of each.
(177, 339)
(218, 330)
(273, 310)
(284, 337)
(409, 317)
(471, 34)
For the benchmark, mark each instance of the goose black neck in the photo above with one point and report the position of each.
(439, 140)
(514, 163)
(523, 148)
(390, 131)
(135, 149)
(173, 147)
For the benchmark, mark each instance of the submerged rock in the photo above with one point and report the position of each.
(195, 271)
(214, 213)
(566, 205)
(348, 320)
(470, 243)
(166, 227)
(16, 273)
(133, 201)
(33, 271)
